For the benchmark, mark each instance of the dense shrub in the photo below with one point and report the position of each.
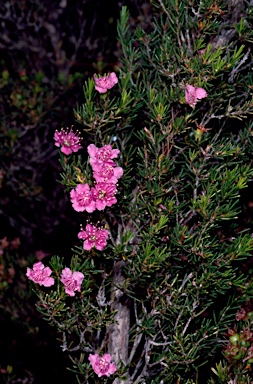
(150, 290)
(149, 295)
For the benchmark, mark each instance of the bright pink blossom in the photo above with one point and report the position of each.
(192, 95)
(103, 194)
(102, 366)
(94, 237)
(72, 281)
(102, 84)
(67, 140)
(40, 274)
(101, 156)
(107, 174)
(81, 198)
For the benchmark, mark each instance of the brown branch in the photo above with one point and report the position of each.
(119, 331)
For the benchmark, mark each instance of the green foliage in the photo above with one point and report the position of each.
(173, 264)
(237, 350)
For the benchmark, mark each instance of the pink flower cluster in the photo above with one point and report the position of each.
(93, 237)
(40, 274)
(67, 140)
(86, 198)
(104, 168)
(106, 175)
(102, 365)
(192, 94)
(102, 84)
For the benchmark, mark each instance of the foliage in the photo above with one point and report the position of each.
(160, 297)
(237, 350)
(46, 53)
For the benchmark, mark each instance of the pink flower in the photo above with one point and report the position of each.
(103, 194)
(192, 95)
(94, 237)
(72, 281)
(102, 366)
(107, 174)
(101, 156)
(67, 140)
(81, 198)
(105, 83)
(40, 274)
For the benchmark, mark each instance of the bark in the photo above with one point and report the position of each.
(119, 330)
(225, 35)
